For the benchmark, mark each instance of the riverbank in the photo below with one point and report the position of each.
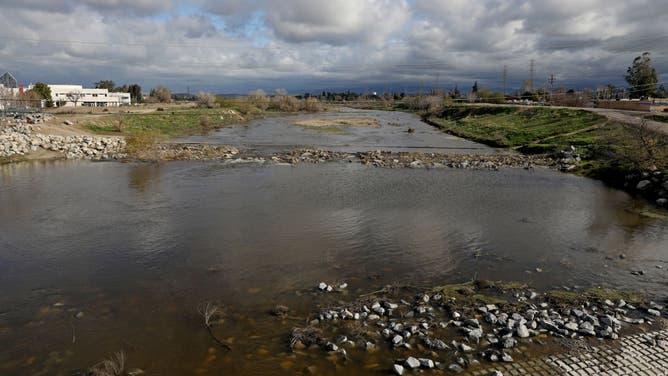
(23, 141)
(631, 157)
(469, 326)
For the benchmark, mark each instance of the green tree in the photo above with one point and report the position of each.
(475, 87)
(44, 92)
(642, 76)
(661, 92)
(105, 84)
(135, 93)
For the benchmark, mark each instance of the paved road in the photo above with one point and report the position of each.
(642, 354)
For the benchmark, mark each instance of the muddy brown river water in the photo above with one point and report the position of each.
(132, 249)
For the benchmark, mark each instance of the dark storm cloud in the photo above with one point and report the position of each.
(237, 45)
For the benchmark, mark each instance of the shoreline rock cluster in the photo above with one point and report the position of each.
(433, 331)
(21, 139)
(386, 159)
(190, 152)
(650, 184)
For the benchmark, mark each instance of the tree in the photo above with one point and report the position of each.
(661, 92)
(74, 96)
(44, 91)
(642, 76)
(105, 84)
(29, 99)
(475, 87)
(161, 94)
(135, 93)
(258, 98)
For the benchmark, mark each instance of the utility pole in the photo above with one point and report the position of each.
(532, 73)
(505, 80)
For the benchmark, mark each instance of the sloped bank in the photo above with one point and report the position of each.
(624, 156)
(17, 141)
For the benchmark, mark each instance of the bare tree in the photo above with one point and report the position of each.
(209, 311)
(74, 96)
(7, 98)
(207, 100)
(645, 148)
(114, 366)
(258, 98)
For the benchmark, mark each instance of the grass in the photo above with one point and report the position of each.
(561, 297)
(173, 122)
(471, 294)
(609, 150)
(515, 127)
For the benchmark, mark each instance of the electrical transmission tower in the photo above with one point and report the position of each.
(532, 74)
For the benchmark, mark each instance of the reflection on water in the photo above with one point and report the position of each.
(141, 177)
(135, 248)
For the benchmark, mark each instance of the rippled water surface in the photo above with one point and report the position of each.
(275, 134)
(136, 247)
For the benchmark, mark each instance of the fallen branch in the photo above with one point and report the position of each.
(208, 311)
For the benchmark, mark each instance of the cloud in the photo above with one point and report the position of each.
(236, 46)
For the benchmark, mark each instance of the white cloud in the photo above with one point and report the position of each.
(239, 45)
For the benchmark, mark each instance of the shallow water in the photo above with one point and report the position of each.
(136, 247)
(275, 134)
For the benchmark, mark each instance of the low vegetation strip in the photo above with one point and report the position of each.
(512, 126)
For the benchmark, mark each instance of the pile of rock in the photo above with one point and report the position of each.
(21, 139)
(568, 159)
(197, 152)
(81, 147)
(311, 156)
(650, 184)
(437, 336)
(386, 159)
(459, 161)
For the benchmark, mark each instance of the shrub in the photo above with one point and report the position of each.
(312, 104)
(160, 94)
(258, 98)
(207, 100)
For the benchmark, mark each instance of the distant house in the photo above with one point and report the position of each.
(77, 95)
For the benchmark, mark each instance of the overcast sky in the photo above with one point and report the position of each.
(233, 46)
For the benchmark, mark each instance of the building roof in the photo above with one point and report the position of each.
(8, 81)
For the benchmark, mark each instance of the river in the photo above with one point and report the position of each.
(102, 257)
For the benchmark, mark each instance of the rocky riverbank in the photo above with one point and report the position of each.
(464, 327)
(22, 139)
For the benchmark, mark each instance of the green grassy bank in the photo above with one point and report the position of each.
(620, 155)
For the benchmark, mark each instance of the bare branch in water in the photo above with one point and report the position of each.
(209, 311)
(114, 366)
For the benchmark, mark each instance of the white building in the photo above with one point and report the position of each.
(76, 95)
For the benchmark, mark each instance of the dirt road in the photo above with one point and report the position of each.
(630, 117)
